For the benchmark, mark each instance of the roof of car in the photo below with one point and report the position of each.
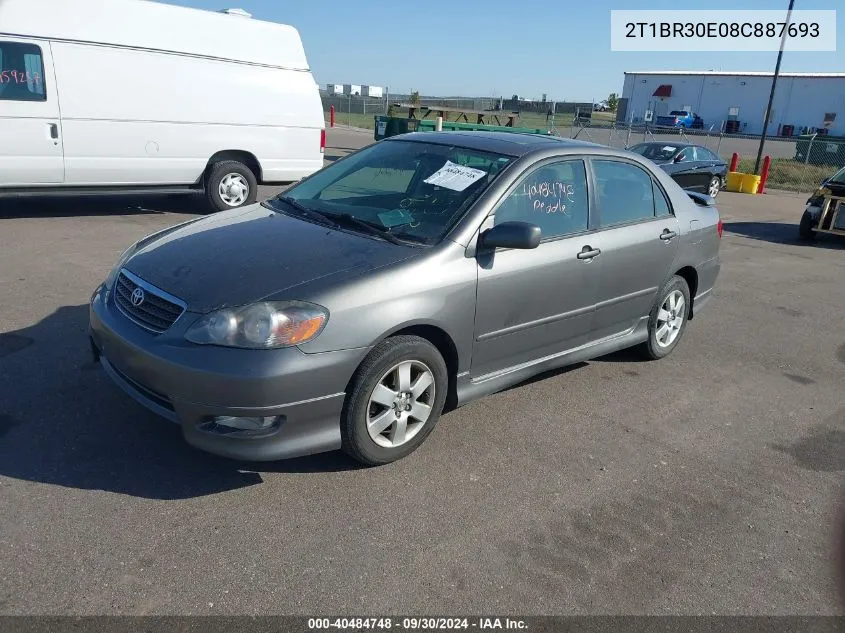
(508, 143)
(667, 143)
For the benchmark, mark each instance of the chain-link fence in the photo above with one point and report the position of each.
(797, 163)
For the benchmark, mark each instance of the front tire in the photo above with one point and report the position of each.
(668, 319)
(395, 400)
(805, 228)
(230, 185)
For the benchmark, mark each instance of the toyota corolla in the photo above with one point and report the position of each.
(417, 274)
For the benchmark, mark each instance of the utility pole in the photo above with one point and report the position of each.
(774, 83)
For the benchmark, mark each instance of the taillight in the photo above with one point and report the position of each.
(719, 228)
(322, 141)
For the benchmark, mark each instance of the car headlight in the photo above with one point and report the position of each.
(265, 325)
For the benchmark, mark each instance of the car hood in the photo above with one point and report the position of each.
(241, 256)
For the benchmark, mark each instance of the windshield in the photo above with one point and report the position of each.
(838, 177)
(406, 190)
(655, 151)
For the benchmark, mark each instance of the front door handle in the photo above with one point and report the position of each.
(588, 253)
(667, 235)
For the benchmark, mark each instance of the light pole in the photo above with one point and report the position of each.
(774, 83)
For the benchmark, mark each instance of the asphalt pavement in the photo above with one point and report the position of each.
(708, 482)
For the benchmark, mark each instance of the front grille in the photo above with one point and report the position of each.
(155, 312)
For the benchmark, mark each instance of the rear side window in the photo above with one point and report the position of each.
(21, 72)
(626, 193)
(706, 154)
(661, 204)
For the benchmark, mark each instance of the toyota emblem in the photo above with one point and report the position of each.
(137, 297)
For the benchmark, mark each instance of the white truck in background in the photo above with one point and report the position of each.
(133, 96)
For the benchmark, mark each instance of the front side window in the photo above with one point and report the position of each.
(625, 193)
(21, 72)
(412, 190)
(554, 197)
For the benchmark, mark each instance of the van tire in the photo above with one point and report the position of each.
(239, 176)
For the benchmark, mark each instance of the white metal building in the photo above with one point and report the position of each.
(802, 100)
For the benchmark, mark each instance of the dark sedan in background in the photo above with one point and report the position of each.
(693, 167)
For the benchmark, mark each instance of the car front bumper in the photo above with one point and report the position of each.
(193, 385)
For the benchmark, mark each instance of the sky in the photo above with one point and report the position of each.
(502, 47)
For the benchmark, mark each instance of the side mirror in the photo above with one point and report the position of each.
(678, 158)
(512, 235)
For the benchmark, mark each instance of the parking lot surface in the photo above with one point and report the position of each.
(708, 482)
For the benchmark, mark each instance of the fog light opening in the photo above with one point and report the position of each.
(226, 424)
(246, 424)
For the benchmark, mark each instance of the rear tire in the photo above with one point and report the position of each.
(668, 319)
(403, 380)
(714, 187)
(805, 228)
(230, 185)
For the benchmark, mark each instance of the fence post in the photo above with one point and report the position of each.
(810, 148)
(331, 116)
(438, 124)
(628, 138)
(719, 144)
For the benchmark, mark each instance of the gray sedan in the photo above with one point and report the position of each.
(417, 274)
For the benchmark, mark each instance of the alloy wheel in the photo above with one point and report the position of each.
(670, 318)
(401, 404)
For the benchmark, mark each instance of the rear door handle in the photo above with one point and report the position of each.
(668, 235)
(54, 131)
(588, 253)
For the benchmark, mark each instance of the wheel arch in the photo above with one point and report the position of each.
(690, 275)
(445, 344)
(242, 156)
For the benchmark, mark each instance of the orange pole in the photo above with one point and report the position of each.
(764, 174)
(734, 162)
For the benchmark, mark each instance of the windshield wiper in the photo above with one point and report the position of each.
(369, 227)
(319, 217)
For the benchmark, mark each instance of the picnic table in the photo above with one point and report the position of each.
(462, 114)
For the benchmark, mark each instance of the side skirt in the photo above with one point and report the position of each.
(470, 389)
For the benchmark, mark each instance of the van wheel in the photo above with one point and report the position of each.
(229, 185)
(394, 401)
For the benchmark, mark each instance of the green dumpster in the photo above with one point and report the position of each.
(386, 126)
(381, 126)
(822, 150)
(430, 126)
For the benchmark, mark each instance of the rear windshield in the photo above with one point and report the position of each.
(678, 113)
(416, 191)
(655, 151)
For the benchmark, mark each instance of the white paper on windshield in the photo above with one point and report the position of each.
(669, 148)
(455, 177)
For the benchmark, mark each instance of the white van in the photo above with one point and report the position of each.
(134, 96)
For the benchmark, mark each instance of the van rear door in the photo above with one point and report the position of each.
(31, 151)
